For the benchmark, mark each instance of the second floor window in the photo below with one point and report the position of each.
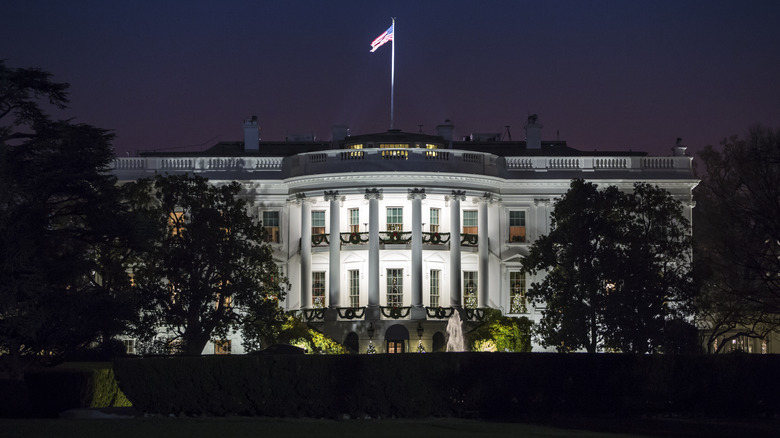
(470, 222)
(318, 290)
(435, 214)
(354, 220)
(516, 226)
(395, 219)
(271, 226)
(317, 222)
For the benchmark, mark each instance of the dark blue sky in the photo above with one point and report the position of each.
(606, 75)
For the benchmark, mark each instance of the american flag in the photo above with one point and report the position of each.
(381, 39)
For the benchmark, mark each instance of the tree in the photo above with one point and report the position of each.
(617, 269)
(501, 333)
(56, 200)
(578, 256)
(737, 231)
(211, 266)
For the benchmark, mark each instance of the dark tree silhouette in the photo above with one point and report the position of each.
(210, 268)
(737, 231)
(617, 269)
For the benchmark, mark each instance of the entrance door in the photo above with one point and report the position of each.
(395, 346)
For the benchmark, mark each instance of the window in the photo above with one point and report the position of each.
(354, 288)
(395, 219)
(516, 226)
(354, 220)
(435, 215)
(435, 287)
(271, 226)
(517, 303)
(226, 301)
(317, 222)
(470, 222)
(470, 289)
(222, 346)
(129, 346)
(394, 145)
(318, 290)
(176, 222)
(395, 289)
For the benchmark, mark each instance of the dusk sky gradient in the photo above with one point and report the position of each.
(604, 75)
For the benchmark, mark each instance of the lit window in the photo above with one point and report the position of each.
(395, 219)
(517, 226)
(176, 222)
(222, 346)
(431, 146)
(354, 220)
(271, 226)
(435, 215)
(318, 290)
(129, 346)
(470, 289)
(470, 222)
(355, 146)
(317, 222)
(435, 287)
(354, 288)
(395, 289)
(517, 301)
(394, 145)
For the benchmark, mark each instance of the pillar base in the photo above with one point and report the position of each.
(373, 313)
(418, 313)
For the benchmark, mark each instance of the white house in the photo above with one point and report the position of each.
(383, 236)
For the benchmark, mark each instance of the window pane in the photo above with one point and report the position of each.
(395, 219)
(517, 232)
(470, 289)
(395, 289)
(517, 300)
(354, 288)
(318, 290)
(435, 282)
(318, 222)
(271, 225)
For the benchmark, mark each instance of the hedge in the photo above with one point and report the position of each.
(487, 385)
(73, 386)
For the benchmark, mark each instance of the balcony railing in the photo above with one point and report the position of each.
(394, 312)
(468, 239)
(393, 238)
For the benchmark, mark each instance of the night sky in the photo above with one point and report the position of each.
(601, 75)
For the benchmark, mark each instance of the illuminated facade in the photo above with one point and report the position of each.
(383, 236)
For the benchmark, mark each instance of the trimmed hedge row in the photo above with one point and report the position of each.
(488, 385)
(73, 386)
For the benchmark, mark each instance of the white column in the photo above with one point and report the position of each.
(334, 278)
(416, 196)
(305, 252)
(373, 196)
(482, 250)
(456, 276)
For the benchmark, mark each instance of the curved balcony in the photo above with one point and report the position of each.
(392, 238)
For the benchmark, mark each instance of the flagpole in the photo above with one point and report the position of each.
(392, 78)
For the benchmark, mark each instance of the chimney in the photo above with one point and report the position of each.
(679, 148)
(445, 130)
(251, 135)
(340, 132)
(533, 133)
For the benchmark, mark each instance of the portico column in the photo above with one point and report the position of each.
(455, 269)
(373, 196)
(334, 278)
(305, 251)
(416, 196)
(482, 250)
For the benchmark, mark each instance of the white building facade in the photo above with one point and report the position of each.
(384, 236)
